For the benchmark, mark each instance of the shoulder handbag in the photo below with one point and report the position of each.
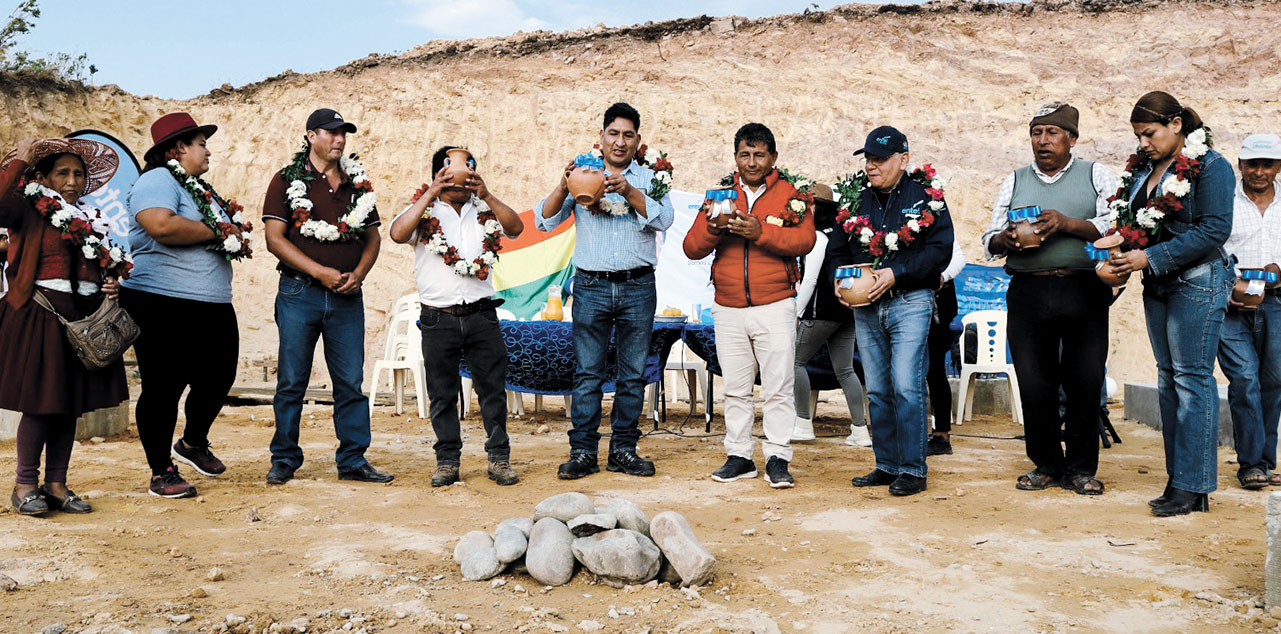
(101, 338)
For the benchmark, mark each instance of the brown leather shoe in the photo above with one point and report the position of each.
(445, 475)
(501, 471)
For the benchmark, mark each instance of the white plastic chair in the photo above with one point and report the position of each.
(991, 359)
(695, 374)
(402, 357)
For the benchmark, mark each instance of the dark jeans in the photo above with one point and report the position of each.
(1250, 355)
(891, 341)
(54, 436)
(1048, 313)
(940, 341)
(626, 309)
(306, 312)
(447, 339)
(1185, 315)
(183, 343)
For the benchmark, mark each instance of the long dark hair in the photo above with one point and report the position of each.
(160, 156)
(1162, 107)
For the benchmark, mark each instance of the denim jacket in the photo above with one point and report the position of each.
(1198, 231)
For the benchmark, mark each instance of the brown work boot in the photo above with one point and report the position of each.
(445, 475)
(501, 471)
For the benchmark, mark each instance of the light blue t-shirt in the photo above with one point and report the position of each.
(187, 272)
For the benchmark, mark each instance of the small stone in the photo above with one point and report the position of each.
(498, 583)
(215, 574)
(174, 552)
(590, 626)
(251, 515)
(345, 613)
(563, 507)
(234, 619)
(461, 617)
(97, 440)
(613, 612)
(198, 593)
(1275, 612)
(542, 429)
(439, 577)
(518, 588)
(163, 630)
(7, 583)
(748, 532)
(56, 628)
(179, 619)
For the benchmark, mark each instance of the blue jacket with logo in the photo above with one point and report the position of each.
(917, 265)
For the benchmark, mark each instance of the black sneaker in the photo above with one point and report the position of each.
(876, 478)
(776, 474)
(938, 446)
(199, 458)
(579, 465)
(630, 463)
(736, 468)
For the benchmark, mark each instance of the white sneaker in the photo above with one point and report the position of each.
(803, 430)
(858, 437)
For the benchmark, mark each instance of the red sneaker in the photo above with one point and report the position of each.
(171, 485)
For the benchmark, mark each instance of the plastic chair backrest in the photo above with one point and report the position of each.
(990, 325)
(503, 313)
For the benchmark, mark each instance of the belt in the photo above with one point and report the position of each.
(618, 276)
(301, 277)
(462, 310)
(1057, 273)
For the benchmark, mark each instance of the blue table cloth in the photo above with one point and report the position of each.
(540, 356)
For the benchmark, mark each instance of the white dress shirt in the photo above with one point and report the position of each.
(1256, 237)
(438, 285)
(753, 194)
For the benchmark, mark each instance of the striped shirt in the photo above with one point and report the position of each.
(614, 243)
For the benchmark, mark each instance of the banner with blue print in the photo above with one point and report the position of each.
(112, 198)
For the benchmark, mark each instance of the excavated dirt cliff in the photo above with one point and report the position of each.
(959, 78)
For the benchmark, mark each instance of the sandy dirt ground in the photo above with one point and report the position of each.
(972, 554)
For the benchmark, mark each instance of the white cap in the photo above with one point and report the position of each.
(1261, 146)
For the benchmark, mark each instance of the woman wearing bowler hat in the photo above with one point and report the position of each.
(184, 237)
(60, 259)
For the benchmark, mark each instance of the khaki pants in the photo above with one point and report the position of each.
(749, 338)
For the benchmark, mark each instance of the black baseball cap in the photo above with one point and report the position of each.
(883, 142)
(329, 120)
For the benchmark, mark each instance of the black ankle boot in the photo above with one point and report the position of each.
(1165, 495)
(1182, 502)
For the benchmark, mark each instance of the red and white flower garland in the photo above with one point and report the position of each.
(234, 239)
(351, 224)
(93, 245)
(884, 244)
(797, 206)
(431, 235)
(1140, 227)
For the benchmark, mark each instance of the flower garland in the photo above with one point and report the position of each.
(431, 234)
(797, 206)
(1141, 227)
(884, 244)
(233, 240)
(659, 185)
(351, 225)
(96, 247)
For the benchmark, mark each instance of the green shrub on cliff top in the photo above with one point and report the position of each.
(60, 66)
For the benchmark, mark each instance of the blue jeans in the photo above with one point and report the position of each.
(1185, 314)
(892, 336)
(1250, 355)
(627, 309)
(305, 312)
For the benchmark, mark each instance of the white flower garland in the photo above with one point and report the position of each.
(468, 268)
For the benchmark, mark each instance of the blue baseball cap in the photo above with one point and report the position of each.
(883, 142)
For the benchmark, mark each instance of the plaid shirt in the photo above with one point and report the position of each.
(1256, 238)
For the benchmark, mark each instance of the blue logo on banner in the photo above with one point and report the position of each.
(111, 198)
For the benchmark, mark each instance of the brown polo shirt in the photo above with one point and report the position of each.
(328, 205)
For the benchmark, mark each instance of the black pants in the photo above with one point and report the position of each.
(183, 343)
(939, 342)
(1049, 314)
(476, 338)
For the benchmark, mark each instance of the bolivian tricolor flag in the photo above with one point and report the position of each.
(533, 263)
